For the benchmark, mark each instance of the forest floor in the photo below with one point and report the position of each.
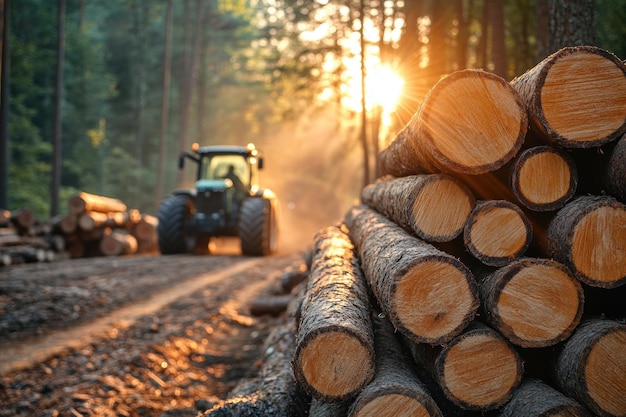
(131, 336)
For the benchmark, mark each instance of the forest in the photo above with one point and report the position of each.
(102, 96)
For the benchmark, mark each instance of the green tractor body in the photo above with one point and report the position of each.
(226, 201)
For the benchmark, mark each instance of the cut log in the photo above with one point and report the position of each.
(592, 367)
(429, 295)
(533, 302)
(614, 175)
(477, 370)
(145, 229)
(435, 207)
(497, 232)
(83, 202)
(322, 409)
(470, 122)
(401, 159)
(576, 97)
(334, 357)
(93, 220)
(274, 391)
(23, 220)
(270, 305)
(292, 277)
(534, 398)
(66, 224)
(395, 389)
(544, 178)
(589, 236)
(117, 243)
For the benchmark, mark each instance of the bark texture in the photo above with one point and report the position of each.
(429, 295)
(614, 176)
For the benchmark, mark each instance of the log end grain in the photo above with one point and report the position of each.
(583, 97)
(592, 367)
(480, 370)
(434, 300)
(533, 302)
(480, 135)
(497, 232)
(544, 178)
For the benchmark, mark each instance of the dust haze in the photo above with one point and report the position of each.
(314, 166)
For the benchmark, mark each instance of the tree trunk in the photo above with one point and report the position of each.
(272, 305)
(395, 389)
(429, 295)
(533, 302)
(479, 136)
(570, 23)
(167, 62)
(477, 370)
(83, 202)
(497, 232)
(498, 50)
(576, 97)
(588, 236)
(534, 398)
(435, 207)
(592, 367)
(334, 357)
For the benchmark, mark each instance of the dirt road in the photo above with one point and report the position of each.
(141, 336)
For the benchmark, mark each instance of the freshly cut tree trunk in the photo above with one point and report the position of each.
(471, 122)
(117, 243)
(588, 236)
(334, 357)
(477, 370)
(576, 97)
(400, 158)
(66, 224)
(533, 302)
(544, 178)
(592, 367)
(90, 220)
(274, 391)
(534, 398)
(395, 389)
(146, 228)
(614, 176)
(429, 295)
(435, 207)
(82, 202)
(497, 232)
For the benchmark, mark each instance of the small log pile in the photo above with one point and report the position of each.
(484, 273)
(102, 226)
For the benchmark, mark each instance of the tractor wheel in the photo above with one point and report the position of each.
(258, 228)
(174, 215)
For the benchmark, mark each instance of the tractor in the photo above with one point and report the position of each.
(226, 202)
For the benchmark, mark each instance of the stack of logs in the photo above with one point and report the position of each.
(484, 273)
(103, 226)
(94, 226)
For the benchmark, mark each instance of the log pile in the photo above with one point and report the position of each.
(94, 226)
(520, 310)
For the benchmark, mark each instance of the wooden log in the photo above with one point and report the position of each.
(145, 228)
(271, 305)
(83, 202)
(401, 159)
(534, 398)
(497, 232)
(477, 370)
(5, 218)
(614, 175)
(435, 207)
(588, 235)
(66, 224)
(533, 302)
(274, 391)
(544, 178)
(292, 277)
(395, 390)
(576, 97)
(592, 367)
(470, 122)
(91, 220)
(117, 244)
(429, 295)
(23, 220)
(334, 356)
(322, 409)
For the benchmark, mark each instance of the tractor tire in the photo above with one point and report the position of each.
(174, 214)
(258, 227)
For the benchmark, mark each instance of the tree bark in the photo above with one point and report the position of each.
(334, 356)
(533, 302)
(576, 97)
(497, 232)
(83, 202)
(570, 23)
(435, 207)
(534, 398)
(477, 370)
(592, 367)
(587, 235)
(429, 295)
(395, 389)
(614, 175)
(471, 122)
